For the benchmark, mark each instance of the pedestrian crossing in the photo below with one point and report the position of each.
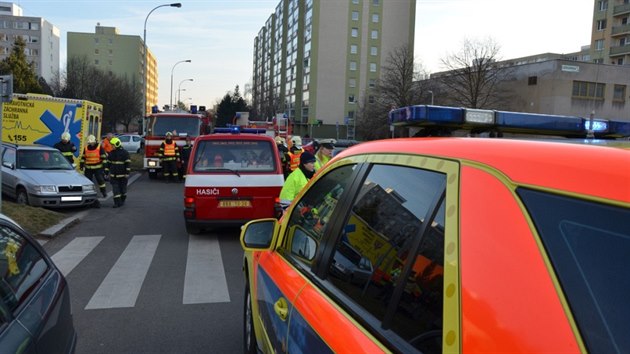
(204, 279)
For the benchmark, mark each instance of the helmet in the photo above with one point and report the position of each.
(169, 134)
(91, 139)
(297, 142)
(116, 142)
(280, 140)
(65, 136)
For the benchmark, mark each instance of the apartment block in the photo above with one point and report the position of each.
(610, 38)
(119, 54)
(41, 37)
(316, 60)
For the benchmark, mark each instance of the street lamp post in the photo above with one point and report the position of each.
(179, 89)
(144, 43)
(173, 69)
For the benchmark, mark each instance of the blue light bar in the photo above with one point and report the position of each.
(229, 130)
(619, 129)
(254, 130)
(599, 125)
(542, 123)
(427, 114)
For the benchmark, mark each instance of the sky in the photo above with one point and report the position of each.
(218, 35)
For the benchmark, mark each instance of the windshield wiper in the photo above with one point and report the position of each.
(226, 169)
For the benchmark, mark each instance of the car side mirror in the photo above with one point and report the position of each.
(8, 165)
(258, 234)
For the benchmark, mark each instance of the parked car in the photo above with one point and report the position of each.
(133, 143)
(39, 175)
(477, 245)
(36, 314)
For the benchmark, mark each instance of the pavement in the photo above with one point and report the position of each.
(74, 219)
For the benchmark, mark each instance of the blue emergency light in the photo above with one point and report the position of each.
(598, 126)
(427, 114)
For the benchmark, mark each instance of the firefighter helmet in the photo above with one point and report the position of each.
(116, 142)
(91, 139)
(65, 136)
(297, 142)
(169, 134)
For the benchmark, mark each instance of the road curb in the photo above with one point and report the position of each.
(70, 221)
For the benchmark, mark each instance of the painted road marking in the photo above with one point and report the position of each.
(74, 252)
(204, 281)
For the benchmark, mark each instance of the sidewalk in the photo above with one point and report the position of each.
(72, 220)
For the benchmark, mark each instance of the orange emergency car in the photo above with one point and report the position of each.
(447, 245)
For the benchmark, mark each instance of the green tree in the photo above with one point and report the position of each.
(24, 78)
(229, 105)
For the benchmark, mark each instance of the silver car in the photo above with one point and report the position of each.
(39, 175)
(133, 143)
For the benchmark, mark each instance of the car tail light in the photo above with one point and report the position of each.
(189, 202)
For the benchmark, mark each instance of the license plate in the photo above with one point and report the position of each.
(70, 199)
(234, 204)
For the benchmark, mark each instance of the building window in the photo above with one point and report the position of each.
(374, 34)
(351, 114)
(373, 67)
(532, 80)
(619, 93)
(96, 40)
(355, 32)
(603, 5)
(352, 82)
(351, 99)
(95, 61)
(374, 51)
(589, 90)
(355, 1)
(372, 83)
(598, 61)
(620, 61)
(371, 99)
(376, 2)
(353, 65)
(95, 51)
(353, 49)
(601, 25)
(599, 45)
(375, 18)
(355, 15)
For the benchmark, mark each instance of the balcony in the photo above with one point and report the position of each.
(620, 30)
(621, 9)
(617, 51)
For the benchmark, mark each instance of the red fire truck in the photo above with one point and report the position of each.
(180, 124)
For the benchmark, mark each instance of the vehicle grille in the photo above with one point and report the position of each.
(70, 188)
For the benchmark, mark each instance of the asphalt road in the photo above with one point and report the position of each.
(140, 284)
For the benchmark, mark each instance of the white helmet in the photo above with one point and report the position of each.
(65, 136)
(91, 139)
(297, 142)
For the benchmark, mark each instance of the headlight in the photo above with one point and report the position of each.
(151, 163)
(89, 188)
(46, 189)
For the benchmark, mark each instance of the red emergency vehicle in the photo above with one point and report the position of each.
(233, 176)
(180, 124)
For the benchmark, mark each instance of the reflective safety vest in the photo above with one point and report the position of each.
(169, 149)
(92, 157)
(294, 159)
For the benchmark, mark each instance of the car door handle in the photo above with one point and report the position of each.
(282, 308)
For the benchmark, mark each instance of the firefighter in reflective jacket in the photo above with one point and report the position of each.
(92, 163)
(294, 153)
(66, 147)
(119, 167)
(186, 149)
(169, 152)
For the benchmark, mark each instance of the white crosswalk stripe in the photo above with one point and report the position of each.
(204, 279)
(124, 281)
(74, 252)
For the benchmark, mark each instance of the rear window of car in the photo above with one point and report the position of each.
(589, 247)
(242, 155)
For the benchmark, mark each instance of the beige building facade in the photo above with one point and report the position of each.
(315, 60)
(118, 54)
(610, 37)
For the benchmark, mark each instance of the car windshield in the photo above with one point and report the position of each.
(42, 160)
(179, 126)
(231, 155)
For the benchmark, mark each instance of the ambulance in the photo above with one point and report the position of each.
(233, 175)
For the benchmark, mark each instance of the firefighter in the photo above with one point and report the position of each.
(119, 168)
(66, 147)
(169, 153)
(294, 153)
(281, 144)
(186, 149)
(107, 145)
(92, 163)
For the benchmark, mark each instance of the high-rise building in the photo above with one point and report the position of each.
(315, 60)
(41, 37)
(119, 54)
(610, 38)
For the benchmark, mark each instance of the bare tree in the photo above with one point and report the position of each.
(472, 75)
(371, 120)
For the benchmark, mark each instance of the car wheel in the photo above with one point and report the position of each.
(21, 196)
(249, 337)
(191, 229)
